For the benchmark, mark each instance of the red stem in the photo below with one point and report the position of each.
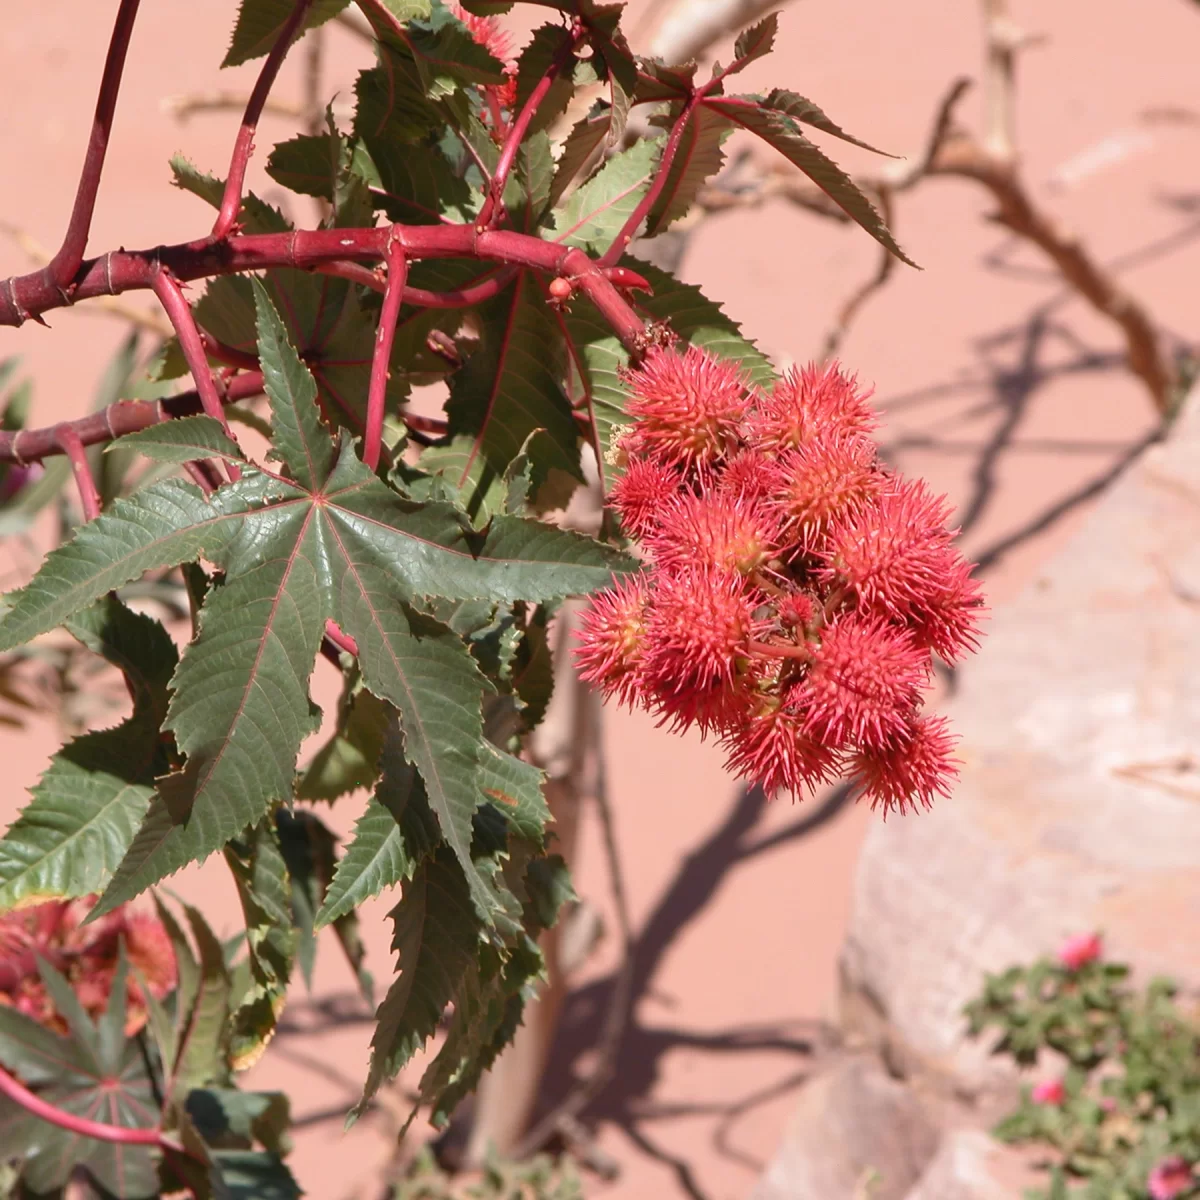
(243, 146)
(62, 267)
(393, 296)
(125, 270)
(72, 447)
(648, 201)
(343, 641)
(82, 1126)
(125, 416)
(770, 650)
(520, 126)
(179, 312)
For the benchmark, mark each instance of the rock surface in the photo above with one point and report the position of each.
(1078, 807)
(969, 1165)
(855, 1131)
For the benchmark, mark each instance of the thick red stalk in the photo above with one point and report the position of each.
(125, 416)
(476, 293)
(243, 146)
(62, 267)
(72, 447)
(179, 312)
(393, 296)
(520, 126)
(118, 1134)
(621, 241)
(127, 270)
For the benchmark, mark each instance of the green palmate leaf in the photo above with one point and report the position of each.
(697, 159)
(583, 146)
(260, 23)
(507, 389)
(437, 938)
(349, 759)
(352, 551)
(596, 211)
(779, 130)
(807, 113)
(253, 1175)
(240, 712)
(264, 889)
(598, 355)
(256, 215)
(161, 526)
(226, 1116)
(300, 440)
(754, 42)
(93, 1073)
(516, 786)
(86, 809)
(659, 82)
(202, 1006)
(395, 834)
(82, 817)
(181, 440)
(549, 42)
(310, 851)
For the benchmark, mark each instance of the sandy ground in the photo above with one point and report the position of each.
(1002, 389)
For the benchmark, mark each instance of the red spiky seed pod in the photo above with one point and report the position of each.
(772, 749)
(643, 494)
(611, 640)
(865, 683)
(815, 401)
(828, 477)
(697, 626)
(912, 770)
(750, 475)
(687, 407)
(717, 531)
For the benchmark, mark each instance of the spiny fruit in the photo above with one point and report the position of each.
(795, 587)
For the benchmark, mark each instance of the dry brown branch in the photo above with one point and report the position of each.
(113, 306)
(962, 157)
(691, 28)
(188, 104)
(883, 272)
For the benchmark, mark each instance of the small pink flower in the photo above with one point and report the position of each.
(1170, 1178)
(1079, 950)
(1050, 1092)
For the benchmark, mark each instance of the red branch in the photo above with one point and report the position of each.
(62, 267)
(343, 641)
(126, 416)
(243, 146)
(82, 1126)
(128, 270)
(648, 201)
(397, 272)
(72, 447)
(179, 312)
(516, 133)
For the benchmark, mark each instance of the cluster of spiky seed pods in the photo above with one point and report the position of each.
(795, 588)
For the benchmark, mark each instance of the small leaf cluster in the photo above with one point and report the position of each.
(1121, 1118)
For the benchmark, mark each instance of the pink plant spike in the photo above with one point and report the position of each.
(1170, 1178)
(1049, 1092)
(1080, 949)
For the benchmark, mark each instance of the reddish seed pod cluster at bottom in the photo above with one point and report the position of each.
(795, 587)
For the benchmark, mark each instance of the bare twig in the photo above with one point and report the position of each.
(883, 272)
(692, 26)
(188, 104)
